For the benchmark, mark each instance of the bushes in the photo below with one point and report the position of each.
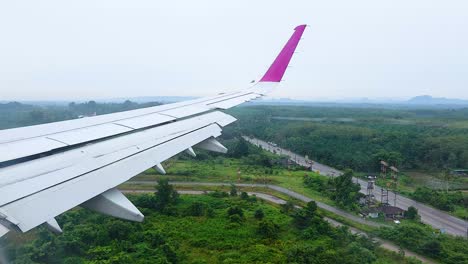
(233, 191)
(315, 183)
(259, 214)
(424, 240)
(235, 210)
(196, 209)
(346, 191)
(230, 235)
(287, 208)
(443, 200)
(306, 216)
(268, 229)
(412, 213)
(244, 196)
(342, 189)
(165, 197)
(219, 194)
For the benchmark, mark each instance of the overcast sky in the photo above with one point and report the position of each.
(363, 48)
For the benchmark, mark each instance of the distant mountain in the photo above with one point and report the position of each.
(423, 101)
(429, 100)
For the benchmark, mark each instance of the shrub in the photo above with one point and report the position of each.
(235, 210)
(233, 191)
(244, 196)
(268, 229)
(412, 213)
(235, 218)
(259, 214)
(196, 209)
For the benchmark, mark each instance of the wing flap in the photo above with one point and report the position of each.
(145, 121)
(186, 111)
(28, 147)
(89, 134)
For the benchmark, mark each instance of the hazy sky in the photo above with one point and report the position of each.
(111, 48)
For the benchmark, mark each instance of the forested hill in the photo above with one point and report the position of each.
(16, 114)
(358, 138)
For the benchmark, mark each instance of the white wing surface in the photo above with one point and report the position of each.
(48, 169)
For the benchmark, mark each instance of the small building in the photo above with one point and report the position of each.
(371, 212)
(392, 211)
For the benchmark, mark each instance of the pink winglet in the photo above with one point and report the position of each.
(277, 69)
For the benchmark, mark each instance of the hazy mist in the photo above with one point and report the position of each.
(101, 49)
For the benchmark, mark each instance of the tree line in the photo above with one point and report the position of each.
(360, 138)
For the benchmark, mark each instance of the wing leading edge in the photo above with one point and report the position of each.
(48, 169)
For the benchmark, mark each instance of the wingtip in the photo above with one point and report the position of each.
(276, 71)
(303, 26)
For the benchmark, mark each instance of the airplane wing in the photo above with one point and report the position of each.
(48, 169)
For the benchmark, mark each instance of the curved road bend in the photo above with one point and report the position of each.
(267, 197)
(429, 215)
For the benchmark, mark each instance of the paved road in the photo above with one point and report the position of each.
(298, 159)
(429, 215)
(267, 197)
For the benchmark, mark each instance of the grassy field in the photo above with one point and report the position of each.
(408, 181)
(225, 170)
(226, 188)
(231, 170)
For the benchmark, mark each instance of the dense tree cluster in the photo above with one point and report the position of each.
(341, 189)
(358, 138)
(346, 192)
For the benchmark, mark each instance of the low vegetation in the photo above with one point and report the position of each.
(426, 241)
(447, 201)
(215, 228)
